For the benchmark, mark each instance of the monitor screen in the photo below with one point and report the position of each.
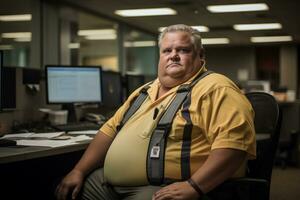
(8, 88)
(258, 85)
(31, 76)
(73, 84)
(112, 89)
(133, 82)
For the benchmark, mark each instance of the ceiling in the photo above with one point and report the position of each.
(194, 12)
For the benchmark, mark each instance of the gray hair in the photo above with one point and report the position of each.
(195, 36)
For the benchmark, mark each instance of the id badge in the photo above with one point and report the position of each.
(155, 152)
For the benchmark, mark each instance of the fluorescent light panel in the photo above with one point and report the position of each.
(11, 18)
(208, 41)
(6, 47)
(145, 12)
(24, 39)
(237, 8)
(140, 44)
(96, 32)
(265, 26)
(101, 37)
(271, 39)
(74, 45)
(199, 28)
(17, 35)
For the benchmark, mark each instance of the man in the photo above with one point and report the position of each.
(220, 141)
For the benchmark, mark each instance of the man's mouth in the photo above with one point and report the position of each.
(174, 64)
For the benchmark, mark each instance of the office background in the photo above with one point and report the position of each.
(55, 34)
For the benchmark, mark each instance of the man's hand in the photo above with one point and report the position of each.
(71, 184)
(176, 191)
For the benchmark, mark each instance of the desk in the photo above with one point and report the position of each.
(22, 153)
(33, 172)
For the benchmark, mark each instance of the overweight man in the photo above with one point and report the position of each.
(210, 140)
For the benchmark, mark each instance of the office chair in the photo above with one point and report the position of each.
(289, 133)
(256, 184)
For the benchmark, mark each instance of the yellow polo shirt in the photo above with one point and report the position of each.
(221, 116)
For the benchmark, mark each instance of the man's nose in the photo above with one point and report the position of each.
(175, 57)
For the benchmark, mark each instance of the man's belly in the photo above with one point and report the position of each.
(125, 162)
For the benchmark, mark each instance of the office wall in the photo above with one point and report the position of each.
(27, 104)
(229, 60)
(289, 67)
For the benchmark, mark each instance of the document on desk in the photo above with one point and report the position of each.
(34, 135)
(17, 135)
(45, 143)
(53, 143)
(85, 132)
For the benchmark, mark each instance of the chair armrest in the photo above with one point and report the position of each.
(241, 189)
(248, 181)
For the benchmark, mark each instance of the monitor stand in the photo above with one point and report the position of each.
(70, 107)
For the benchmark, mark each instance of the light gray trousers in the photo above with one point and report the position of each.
(95, 188)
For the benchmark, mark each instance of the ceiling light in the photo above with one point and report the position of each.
(74, 45)
(199, 28)
(96, 32)
(6, 47)
(265, 26)
(207, 41)
(23, 39)
(101, 37)
(145, 12)
(17, 35)
(238, 7)
(140, 44)
(11, 18)
(271, 39)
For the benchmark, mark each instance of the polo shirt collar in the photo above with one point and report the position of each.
(154, 87)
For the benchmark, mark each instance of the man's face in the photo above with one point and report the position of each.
(178, 61)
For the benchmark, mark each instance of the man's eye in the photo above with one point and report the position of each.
(184, 50)
(167, 50)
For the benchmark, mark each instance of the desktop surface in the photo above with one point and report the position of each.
(22, 153)
(34, 172)
(77, 126)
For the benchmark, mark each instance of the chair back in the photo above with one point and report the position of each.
(267, 122)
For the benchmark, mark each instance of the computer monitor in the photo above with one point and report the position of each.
(67, 85)
(8, 88)
(112, 89)
(133, 81)
(257, 85)
(31, 76)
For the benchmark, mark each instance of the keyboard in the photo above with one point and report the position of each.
(78, 126)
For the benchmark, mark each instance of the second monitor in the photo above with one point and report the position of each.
(112, 89)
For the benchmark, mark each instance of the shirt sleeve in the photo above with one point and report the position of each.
(229, 123)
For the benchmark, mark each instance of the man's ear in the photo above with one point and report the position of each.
(202, 62)
(201, 53)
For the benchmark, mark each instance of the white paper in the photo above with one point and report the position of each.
(47, 135)
(34, 135)
(45, 143)
(81, 138)
(18, 135)
(86, 132)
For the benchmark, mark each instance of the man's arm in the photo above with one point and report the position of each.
(92, 158)
(220, 165)
(94, 155)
